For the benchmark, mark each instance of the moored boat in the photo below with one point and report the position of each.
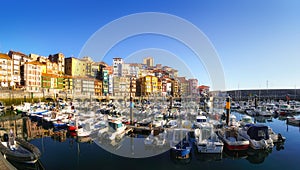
(180, 146)
(115, 131)
(207, 140)
(18, 150)
(232, 140)
(258, 136)
(295, 120)
(246, 120)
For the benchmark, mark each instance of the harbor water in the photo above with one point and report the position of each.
(71, 154)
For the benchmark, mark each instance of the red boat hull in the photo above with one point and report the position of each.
(72, 128)
(236, 147)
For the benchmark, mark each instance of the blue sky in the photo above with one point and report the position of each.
(257, 41)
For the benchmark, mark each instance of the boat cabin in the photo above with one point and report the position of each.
(114, 125)
(258, 132)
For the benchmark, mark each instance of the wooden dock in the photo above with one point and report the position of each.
(148, 129)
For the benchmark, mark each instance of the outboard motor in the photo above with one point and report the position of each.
(280, 138)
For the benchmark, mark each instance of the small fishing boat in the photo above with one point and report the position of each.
(246, 120)
(18, 150)
(295, 120)
(180, 146)
(250, 111)
(263, 111)
(59, 123)
(172, 124)
(258, 136)
(158, 120)
(115, 131)
(233, 121)
(72, 126)
(232, 140)
(182, 150)
(207, 140)
(200, 119)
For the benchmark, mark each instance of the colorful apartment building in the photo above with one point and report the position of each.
(149, 85)
(132, 85)
(52, 83)
(98, 88)
(75, 67)
(122, 86)
(184, 86)
(5, 71)
(166, 86)
(193, 87)
(88, 65)
(117, 67)
(31, 76)
(18, 59)
(68, 84)
(59, 59)
(175, 88)
(110, 84)
(149, 61)
(52, 80)
(105, 82)
(88, 86)
(85, 77)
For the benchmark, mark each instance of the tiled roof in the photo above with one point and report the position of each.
(34, 62)
(4, 56)
(18, 53)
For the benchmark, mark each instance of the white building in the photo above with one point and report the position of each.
(117, 67)
(193, 87)
(18, 59)
(31, 76)
(110, 85)
(5, 70)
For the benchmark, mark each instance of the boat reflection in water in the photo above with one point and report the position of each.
(208, 157)
(35, 166)
(257, 156)
(231, 154)
(177, 160)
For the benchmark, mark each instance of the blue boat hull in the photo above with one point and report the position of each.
(182, 150)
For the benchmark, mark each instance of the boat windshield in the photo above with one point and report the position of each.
(206, 133)
(262, 134)
(119, 125)
(201, 119)
(247, 120)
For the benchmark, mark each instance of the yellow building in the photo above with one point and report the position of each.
(175, 88)
(98, 88)
(59, 60)
(75, 67)
(68, 84)
(149, 85)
